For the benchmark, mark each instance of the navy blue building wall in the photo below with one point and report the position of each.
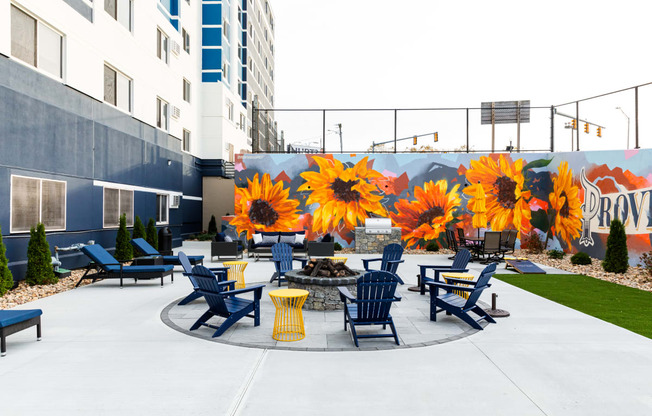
(51, 131)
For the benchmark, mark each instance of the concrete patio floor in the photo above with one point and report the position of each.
(106, 351)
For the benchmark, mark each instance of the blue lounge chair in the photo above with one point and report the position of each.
(107, 267)
(12, 321)
(144, 247)
(224, 303)
(392, 254)
(283, 261)
(457, 305)
(220, 273)
(376, 293)
(459, 266)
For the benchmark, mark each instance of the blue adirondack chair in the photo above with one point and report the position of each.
(224, 303)
(389, 262)
(457, 305)
(283, 261)
(144, 247)
(376, 293)
(220, 273)
(459, 266)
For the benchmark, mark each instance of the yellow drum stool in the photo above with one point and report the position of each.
(236, 272)
(466, 276)
(288, 322)
(338, 259)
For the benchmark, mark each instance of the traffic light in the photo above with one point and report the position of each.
(414, 141)
(586, 127)
(599, 131)
(574, 124)
(436, 137)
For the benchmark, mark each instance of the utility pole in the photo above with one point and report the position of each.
(339, 126)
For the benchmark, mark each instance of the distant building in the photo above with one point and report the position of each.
(303, 148)
(126, 106)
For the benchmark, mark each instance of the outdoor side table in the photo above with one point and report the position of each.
(148, 261)
(339, 259)
(288, 322)
(467, 276)
(236, 272)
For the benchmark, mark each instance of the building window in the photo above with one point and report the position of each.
(35, 43)
(162, 114)
(225, 28)
(116, 203)
(35, 200)
(225, 72)
(186, 141)
(186, 40)
(229, 109)
(120, 10)
(243, 121)
(186, 90)
(117, 89)
(161, 209)
(162, 46)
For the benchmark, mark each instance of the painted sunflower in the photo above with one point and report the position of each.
(565, 200)
(427, 216)
(342, 194)
(506, 197)
(262, 206)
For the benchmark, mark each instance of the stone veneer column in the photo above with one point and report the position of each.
(374, 243)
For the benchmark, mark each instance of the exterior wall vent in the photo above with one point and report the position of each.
(176, 112)
(175, 47)
(175, 201)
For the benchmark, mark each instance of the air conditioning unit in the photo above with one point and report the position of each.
(176, 112)
(175, 201)
(175, 47)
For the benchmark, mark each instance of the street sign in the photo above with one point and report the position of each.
(505, 112)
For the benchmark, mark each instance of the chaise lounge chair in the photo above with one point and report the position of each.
(12, 321)
(144, 247)
(107, 267)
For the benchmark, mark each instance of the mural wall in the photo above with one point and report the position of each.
(570, 199)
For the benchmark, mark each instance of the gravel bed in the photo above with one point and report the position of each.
(25, 293)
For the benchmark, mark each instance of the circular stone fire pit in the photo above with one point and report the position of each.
(324, 295)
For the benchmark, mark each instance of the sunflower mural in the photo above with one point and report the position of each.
(426, 217)
(565, 206)
(264, 206)
(503, 183)
(343, 194)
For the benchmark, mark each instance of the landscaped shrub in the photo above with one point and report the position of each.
(432, 246)
(6, 278)
(581, 258)
(39, 259)
(556, 254)
(139, 228)
(152, 234)
(532, 243)
(616, 259)
(212, 225)
(205, 236)
(646, 262)
(337, 246)
(123, 250)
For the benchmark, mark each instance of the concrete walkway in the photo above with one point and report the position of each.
(105, 351)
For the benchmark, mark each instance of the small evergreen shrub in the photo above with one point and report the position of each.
(205, 236)
(152, 234)
(337, 246)
(532, 243)
(616, 259)
(6, 278)
(139, 228)
(432, 246)
(39, 259)
(212, 225)
(556, 254)
(123, 250)
(580, 258)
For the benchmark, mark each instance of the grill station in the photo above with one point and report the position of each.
(375, 235)
(378, 226)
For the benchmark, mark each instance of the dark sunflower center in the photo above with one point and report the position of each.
(506, 192)
(343, 191)
(426, 217)
(564, 211)
(261, 212)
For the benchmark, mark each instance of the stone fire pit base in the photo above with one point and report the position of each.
(324, 295)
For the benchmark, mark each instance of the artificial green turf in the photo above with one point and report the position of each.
(621, 305)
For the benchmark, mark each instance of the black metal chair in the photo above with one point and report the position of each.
(492, 247)
(452, 243)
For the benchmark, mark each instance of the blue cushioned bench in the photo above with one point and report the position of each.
(12, 321)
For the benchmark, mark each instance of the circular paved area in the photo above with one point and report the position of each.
(325, 330)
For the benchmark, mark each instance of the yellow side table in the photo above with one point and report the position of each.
(288, 322)
(466, 276)
(236, 272)
(338, 259)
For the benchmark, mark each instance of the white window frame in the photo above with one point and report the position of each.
(229, 109)
(165, 206)
(185, 36)
(131, 89)
(185, 142)
(118, 4)
(40, 210)
(162, 45)
(186, 90)
(130, 221)
(160, 103)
